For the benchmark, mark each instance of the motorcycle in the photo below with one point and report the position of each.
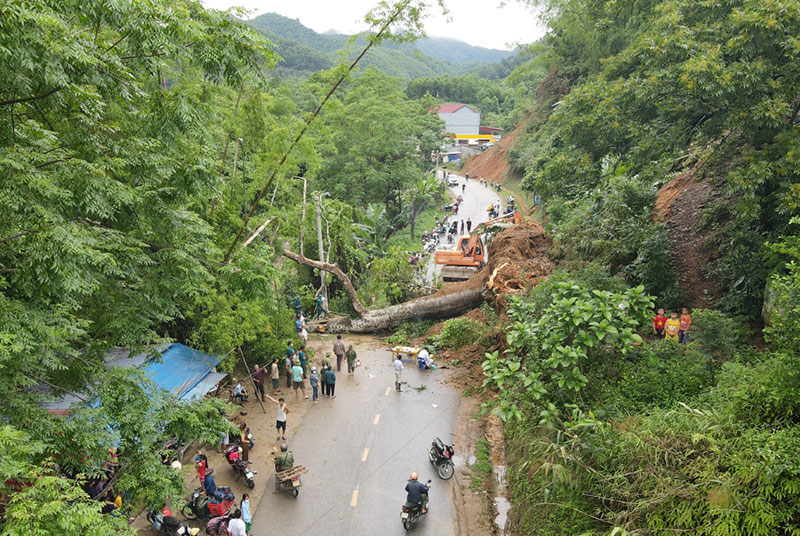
(198, 505)
(165, 524)
(411, 512)
(441, 456)
(240, 467)
(251, 439)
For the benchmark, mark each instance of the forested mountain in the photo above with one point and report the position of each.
(305, 50)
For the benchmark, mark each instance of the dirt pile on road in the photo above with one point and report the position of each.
(518, 259)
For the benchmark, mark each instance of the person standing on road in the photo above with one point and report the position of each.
(338, 349)
(463, 187)
(246, 516)
(462, 227)
(301, 354)
(244, 443)
(297, 379)
(287, 364)
(350, 356)
(314, 380)
(280, 420)
(275, 375)
(323, 378)
(330, 378)
(303, 336)
(469, 225)
(398, 371)
(258, 379)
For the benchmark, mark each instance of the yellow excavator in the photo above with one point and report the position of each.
(469, 253)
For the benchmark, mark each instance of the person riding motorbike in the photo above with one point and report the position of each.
(285, 460)
(417, 492)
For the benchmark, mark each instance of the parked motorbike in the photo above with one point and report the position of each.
(411, 512)
(251, 439)
(165, 524)
(240, 467)
(441, 456)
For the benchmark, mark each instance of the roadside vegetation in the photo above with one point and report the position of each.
(609, 431)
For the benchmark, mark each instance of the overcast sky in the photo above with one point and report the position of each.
(486, 23)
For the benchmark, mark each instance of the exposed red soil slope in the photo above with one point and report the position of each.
(680, 205)
(492, 164)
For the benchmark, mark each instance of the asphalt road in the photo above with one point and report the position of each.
(359, 450)
(476, 199)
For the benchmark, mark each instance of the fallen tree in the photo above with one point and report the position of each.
(518, 259)
(439, 305)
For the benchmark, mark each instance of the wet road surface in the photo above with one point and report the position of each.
(359, 449)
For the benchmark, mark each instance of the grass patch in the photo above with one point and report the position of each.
(425, 222)
(482, 468)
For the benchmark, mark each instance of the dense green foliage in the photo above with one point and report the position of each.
(680, 82)
(658, 437)
(647, 436)
(117, 212)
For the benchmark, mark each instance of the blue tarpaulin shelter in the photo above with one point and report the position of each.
(185, 372)
(180, 369)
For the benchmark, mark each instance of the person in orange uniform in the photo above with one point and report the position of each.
(659, 321)
(672, 327)
(685, 326)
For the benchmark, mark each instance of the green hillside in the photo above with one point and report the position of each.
(304, 51)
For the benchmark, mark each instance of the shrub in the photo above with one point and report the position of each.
(409, 330)
(717, 333)
(767, 393)
(658, 376)
(458, 332)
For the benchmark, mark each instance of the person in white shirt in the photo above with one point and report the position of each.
(236, 527)
(424, 358)
(398, 371)
(303, 335)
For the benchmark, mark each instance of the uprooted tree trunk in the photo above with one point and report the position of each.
(434, 306)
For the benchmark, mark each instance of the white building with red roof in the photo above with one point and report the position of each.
(460, 119)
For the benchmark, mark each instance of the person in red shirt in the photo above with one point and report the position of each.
(659, 322)
(685, 326)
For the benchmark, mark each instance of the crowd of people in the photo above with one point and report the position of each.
(673, 328)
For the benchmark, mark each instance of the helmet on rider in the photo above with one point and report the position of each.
(284, 448)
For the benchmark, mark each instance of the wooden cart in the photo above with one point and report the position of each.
(289, 480)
